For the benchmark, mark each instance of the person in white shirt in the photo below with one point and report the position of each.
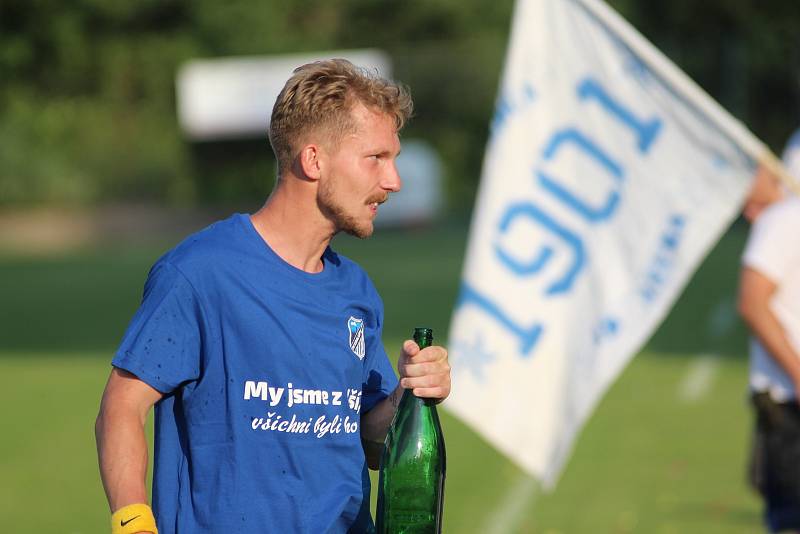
(769, 303)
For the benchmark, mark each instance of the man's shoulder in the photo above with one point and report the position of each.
(350, 270)
(212, 243)
(783, 212)
(775, 229)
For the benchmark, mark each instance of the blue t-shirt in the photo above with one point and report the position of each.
(266, 370)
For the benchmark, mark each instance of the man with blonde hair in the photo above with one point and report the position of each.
(260, 347)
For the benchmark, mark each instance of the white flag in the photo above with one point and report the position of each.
(608, 177)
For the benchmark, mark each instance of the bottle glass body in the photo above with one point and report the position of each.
(412, 475)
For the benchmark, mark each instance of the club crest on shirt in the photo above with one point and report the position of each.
(355, 328)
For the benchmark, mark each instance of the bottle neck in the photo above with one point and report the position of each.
(423, 337)
(409, 398)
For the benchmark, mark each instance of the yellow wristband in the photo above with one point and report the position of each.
(133, 518)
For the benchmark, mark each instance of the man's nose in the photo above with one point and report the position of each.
(391, 180)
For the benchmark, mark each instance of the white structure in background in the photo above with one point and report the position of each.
(232, 98)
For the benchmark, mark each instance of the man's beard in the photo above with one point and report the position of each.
(326, 200)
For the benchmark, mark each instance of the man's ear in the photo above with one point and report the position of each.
(309, 159)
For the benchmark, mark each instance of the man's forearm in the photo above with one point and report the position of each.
(756, 292)
(122, 454)
(375, 424)
(121, 441)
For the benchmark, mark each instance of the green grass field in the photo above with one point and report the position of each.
(664, 452)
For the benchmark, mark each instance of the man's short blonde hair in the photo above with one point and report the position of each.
(319, 98)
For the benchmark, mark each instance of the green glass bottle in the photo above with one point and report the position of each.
(411, 483)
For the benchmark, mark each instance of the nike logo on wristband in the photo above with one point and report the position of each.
(123, 523)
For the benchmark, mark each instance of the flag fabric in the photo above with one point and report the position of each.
(607, 178)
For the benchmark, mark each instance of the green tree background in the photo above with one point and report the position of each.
(87, 99)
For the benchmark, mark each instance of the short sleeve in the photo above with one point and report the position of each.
(162, 345)
(379, 376)
(772, 247)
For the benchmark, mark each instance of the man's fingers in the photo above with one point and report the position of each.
(426, 368)
(428, 354)
(426, 372)
(410, 348)
(426, 381)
